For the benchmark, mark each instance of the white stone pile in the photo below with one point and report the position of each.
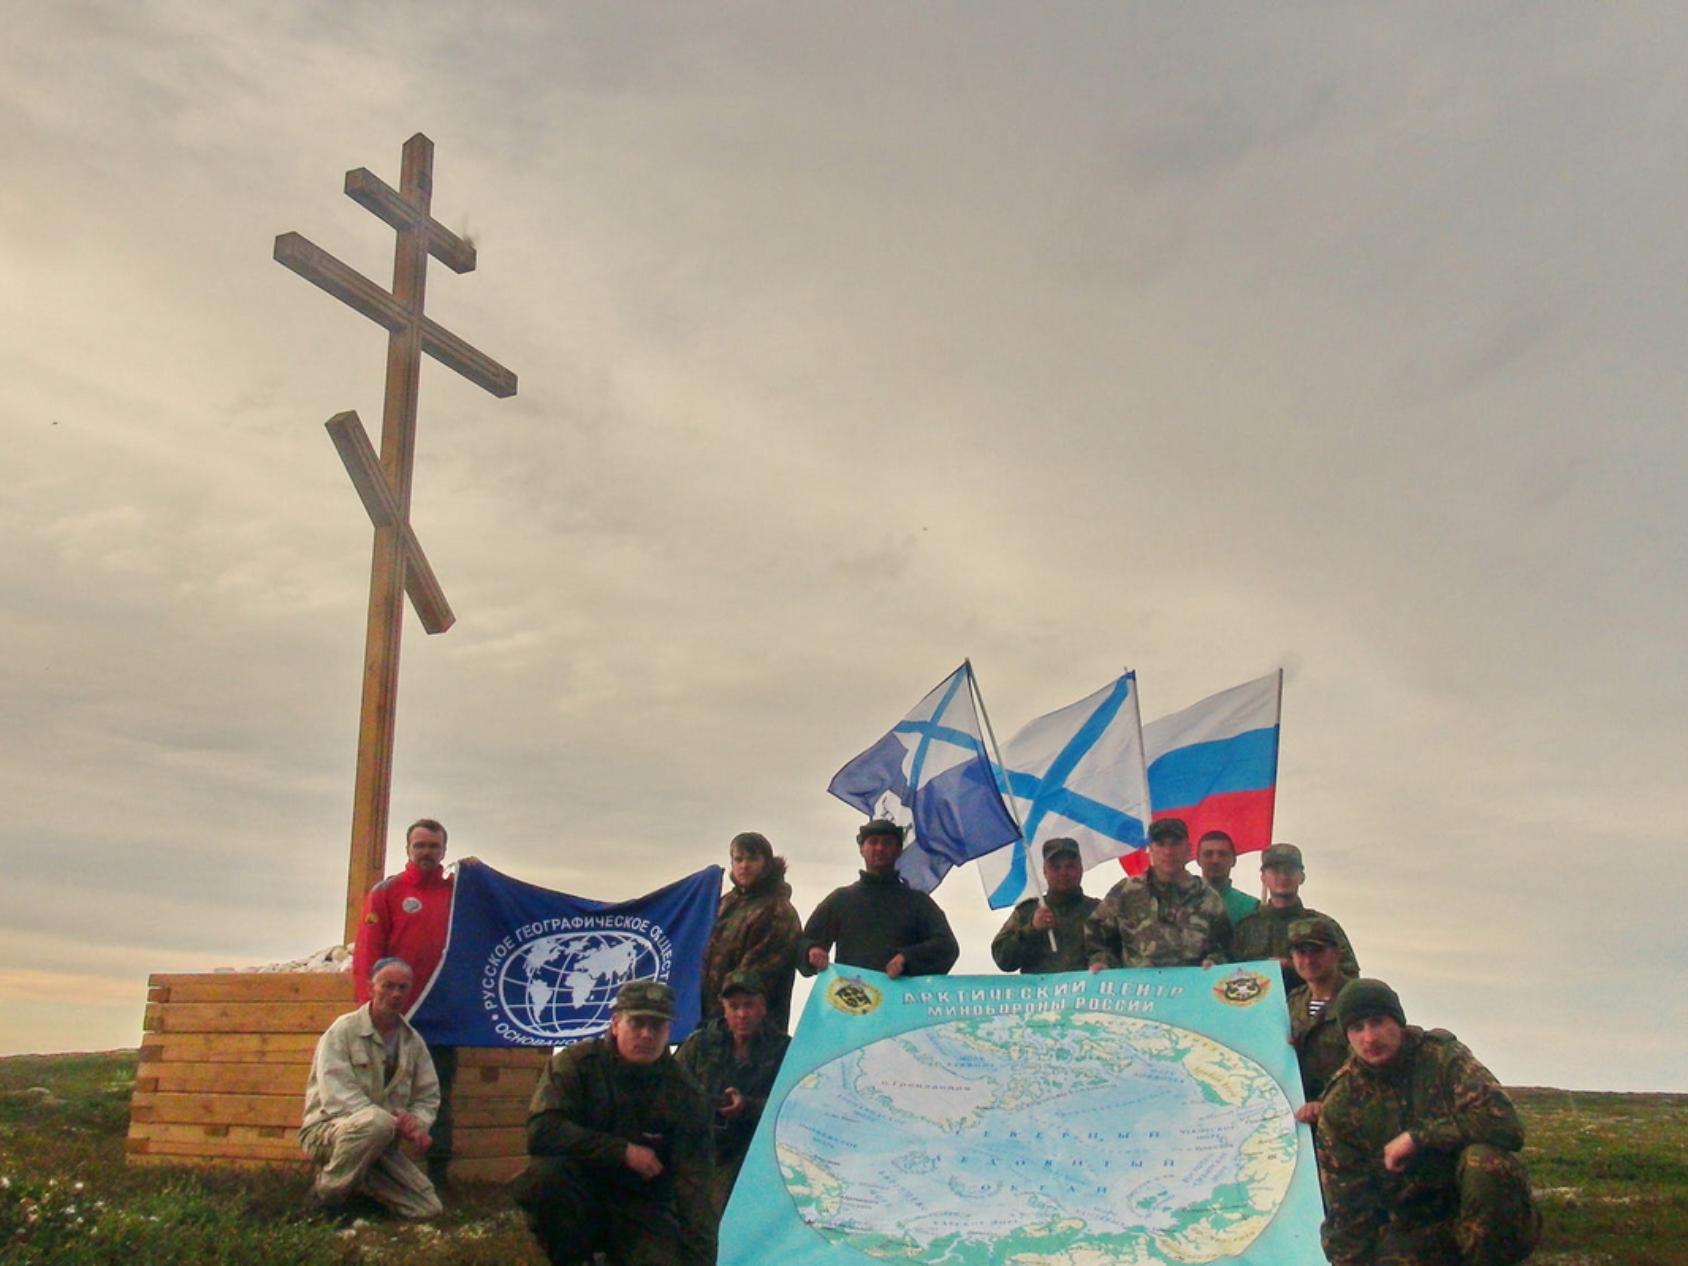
(330, 958)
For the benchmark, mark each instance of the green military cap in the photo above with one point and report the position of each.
(645, 997)
(1313, 932)
(1060, 846)
(1168, 829)
(1363, 998)
(1282, 855)
(742, 982)
(879, 826)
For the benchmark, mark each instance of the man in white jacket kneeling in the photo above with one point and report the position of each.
(371, 1097)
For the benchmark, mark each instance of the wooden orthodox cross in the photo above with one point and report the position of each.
(398, 566)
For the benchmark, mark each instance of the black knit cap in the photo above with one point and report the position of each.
(879, 826)
(1363, 998)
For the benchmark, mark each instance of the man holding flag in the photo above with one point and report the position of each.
(879, 922)
(1047, 934)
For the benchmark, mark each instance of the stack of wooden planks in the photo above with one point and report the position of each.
(224, 1058)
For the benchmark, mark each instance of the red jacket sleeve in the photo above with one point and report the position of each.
(371, 945)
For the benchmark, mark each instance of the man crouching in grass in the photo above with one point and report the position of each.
(371, 1096)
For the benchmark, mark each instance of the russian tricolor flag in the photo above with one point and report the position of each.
(1215, 765)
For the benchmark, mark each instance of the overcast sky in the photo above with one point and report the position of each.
(853, 341)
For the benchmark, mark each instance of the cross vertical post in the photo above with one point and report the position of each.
(378, 713)
(397, 564)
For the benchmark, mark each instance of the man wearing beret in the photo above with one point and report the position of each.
(879, 922)
(1321, 1047)
(1165, 917)
(735, 1058)
(1418, 1148)
(1265, 933)
(1046, 933)
(620, 1141)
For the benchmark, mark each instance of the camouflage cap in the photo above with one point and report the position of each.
(1168, 829)
(742, 982)
(879, 826)
(1060, 846)
(1313, 932)
(1282, 855)
(645, 997)
(1363, 998)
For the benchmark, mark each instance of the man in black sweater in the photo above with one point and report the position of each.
(879, 922)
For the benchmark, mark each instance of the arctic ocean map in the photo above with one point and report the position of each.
(1139, 1117)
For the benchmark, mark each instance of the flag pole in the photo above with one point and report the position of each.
(1271, 826)
(1008, 799)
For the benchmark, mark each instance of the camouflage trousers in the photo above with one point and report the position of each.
(576, 1212)
(1497, 1223)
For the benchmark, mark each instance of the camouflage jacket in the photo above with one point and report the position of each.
(590, 1104)
(869, 922)
(1320, 1044)
(1435, 1089)
(756, 930)
(1145, 923)
(1021, 947)
(1265, 934)
(708, 1056)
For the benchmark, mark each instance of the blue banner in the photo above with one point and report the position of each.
(525, 966)
(1142, 1117)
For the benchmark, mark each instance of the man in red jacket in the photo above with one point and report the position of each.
(406, 916)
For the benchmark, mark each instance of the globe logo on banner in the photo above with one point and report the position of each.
(561, 987)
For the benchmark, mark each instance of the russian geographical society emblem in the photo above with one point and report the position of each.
(554, 981)
(1242, 988)
(853, 996)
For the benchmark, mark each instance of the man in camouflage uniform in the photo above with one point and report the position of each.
(1024, 944)
(620, 1141)
(1321, 1047)
(1418, 1148)
(1265, 933)
(1165, 917)
(1216, 858)
(735, 1058)
(756, 930)
(879, 922)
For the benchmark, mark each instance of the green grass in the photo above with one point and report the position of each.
(68, 1198)
(1611, 1171)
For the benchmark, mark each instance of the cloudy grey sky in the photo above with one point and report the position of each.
(855, 340)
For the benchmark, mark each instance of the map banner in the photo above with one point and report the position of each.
(1141, 1117)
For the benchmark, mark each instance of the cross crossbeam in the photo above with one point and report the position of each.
(358, 456)
(397, 565)
(361, 294)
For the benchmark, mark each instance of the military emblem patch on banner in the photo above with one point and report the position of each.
(853, 996)
(1242, 988)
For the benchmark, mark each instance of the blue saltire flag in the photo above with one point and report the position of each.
(1078, 772)
(525, 966)
(932, 772)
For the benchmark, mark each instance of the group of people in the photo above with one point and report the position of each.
(634, 1150)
